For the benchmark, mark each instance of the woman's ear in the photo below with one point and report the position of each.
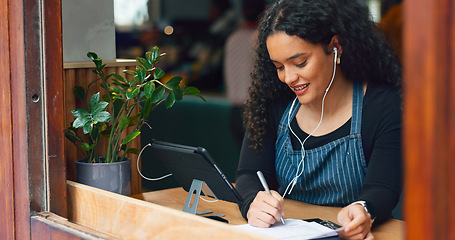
(335, 43)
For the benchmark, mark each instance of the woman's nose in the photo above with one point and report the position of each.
(290, 76)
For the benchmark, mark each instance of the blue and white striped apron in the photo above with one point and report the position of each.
(333, 173)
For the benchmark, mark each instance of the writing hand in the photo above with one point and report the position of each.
(356, 222)
(265, 209)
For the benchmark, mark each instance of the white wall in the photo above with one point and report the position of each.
(88, 25)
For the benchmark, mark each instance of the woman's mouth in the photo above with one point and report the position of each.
(300, 89)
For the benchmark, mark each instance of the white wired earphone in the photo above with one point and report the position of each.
(163, 177)
(301, 166)
(139, 171)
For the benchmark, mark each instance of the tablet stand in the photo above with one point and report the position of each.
(197, 186)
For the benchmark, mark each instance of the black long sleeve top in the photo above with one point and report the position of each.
(381, 139)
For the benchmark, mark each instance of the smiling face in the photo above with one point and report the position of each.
(306, 68)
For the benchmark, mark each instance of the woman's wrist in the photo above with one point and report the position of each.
(368, 208)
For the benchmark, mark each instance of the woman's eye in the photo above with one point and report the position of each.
(302, 64)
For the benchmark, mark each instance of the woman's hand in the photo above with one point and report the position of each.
(265, 209)
(356, 222)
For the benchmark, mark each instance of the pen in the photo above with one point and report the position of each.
(266, 187)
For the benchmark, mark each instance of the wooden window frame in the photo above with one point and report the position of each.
(31, 140)
(31, 41)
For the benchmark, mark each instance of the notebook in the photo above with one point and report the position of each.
(294, 229)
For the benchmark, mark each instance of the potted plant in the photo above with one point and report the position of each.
(124, 107)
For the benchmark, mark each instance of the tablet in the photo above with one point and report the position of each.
(187, 163)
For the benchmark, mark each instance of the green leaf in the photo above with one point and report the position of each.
(79, 92)
(92, 56)
(130, 72)
(81, 121)
(144, 63)
(178, 93)
(119, 77)
(154, 54)
(70, 136)
(135, 80)
(141, 73)
(105, 130)
(159, 73)
(148, 56)
(101, 106)
(101, 117)
(132, 92)
(93, 101)
(88, 127)
(149, 88)
(118, 104)
(104, 85)
(170, 100)
(191, 91)
(158, 94)
(134, 117)
(124, 122)
(123, 147)
(130, 137)
(116, 96)
(102, 127)
(174, 81)
(86, 146)
(105, 97)
(79, 112)
(95, 71)
(147, 108)
(118, 90)
(99, 65)
(132, 151)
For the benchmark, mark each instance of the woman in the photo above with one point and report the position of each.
(323, 118)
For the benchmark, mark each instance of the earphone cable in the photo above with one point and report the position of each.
(140, 173)
(165, 176)
(206, 200)
(300, 170)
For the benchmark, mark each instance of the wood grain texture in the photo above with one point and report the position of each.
(82, 77)
(429, 124)
(53, 57)
(451, 128)
(33, 101)
(130, 218)
(17, 39)
(175, 198)
(41, 230)
(7, 226)
(117, 63)
(46, 225)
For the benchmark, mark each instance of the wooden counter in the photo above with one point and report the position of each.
(175, 198)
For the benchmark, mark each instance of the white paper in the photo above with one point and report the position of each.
(293, 229)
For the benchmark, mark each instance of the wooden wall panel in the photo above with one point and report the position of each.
(429, 126)
(82, 75)
(6, 164)
(451, 120)
(19, 120)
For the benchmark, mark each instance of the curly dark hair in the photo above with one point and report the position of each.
(367, 57)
